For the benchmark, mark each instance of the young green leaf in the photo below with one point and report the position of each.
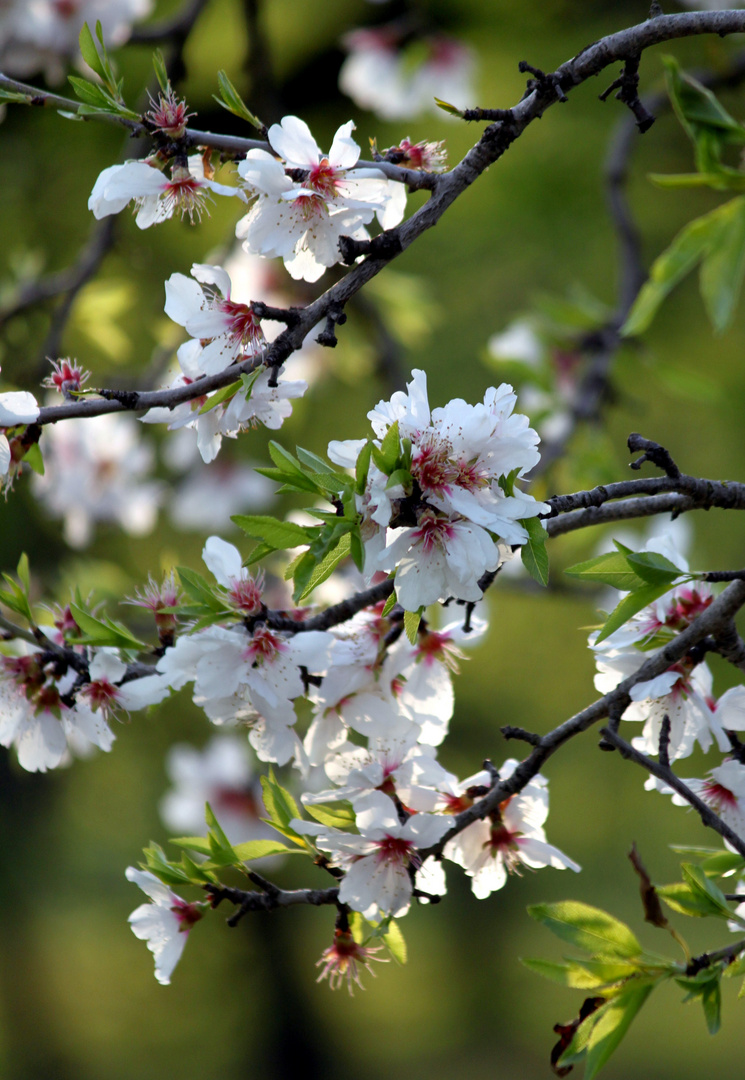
(325, 568)
(278, 534)
(231, 100)
(610, 569)
(653, 568)
(629, 606)
(612, 1021)
(533, 552)
(161, 72)
(587, 928)
(411, 624)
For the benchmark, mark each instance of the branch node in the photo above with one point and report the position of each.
(627, 87)
(336, 316)
(129, 399)
(664, 744)
(652, 451)
(548, 84)
(511, 732)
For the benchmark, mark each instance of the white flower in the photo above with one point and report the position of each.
(380, 76)
(229, 330)
(301, 222)
(219, 774)
(95, 470)
(723, 791)
(164, 924)
(377, 880)
(261, 403)
(157, 196)
(510, 838)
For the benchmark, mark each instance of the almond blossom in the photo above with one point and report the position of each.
(261, 399)
(157, 197)
(164, 924)
(377, 863)
(219, 774)
(723, 790)
(462, 497)
(508, 839)
(228, 330)
(379, 74)
(97, 470)
(301, 221)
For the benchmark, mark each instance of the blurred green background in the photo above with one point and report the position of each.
(77, 995)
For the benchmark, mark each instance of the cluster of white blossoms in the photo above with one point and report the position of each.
(683, 693)
(224, 331)
(50, 710)
(456, 513)
(304, 200)
(384, 77)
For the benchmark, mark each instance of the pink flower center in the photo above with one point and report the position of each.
(432, 531)
(186, 194)
(394, 849)
(689, 603)
(310, 207)
(244, 329)
(717, 795)
(323, 179)
(187, 914)
(246, 595)
(101, 694)
(433, 469)
(265, 646)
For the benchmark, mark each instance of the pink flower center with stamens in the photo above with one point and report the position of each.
(244, 328)
(432, 531)
(394, 849)
(265, 646)
(323, 179)
(433, 469)
(310, 206)
(101, 694)
(246, 595)
(183, 192)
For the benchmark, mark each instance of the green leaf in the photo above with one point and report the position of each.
(579, 975)
(696, 106)
(362, 467)
(723, 268)
(198, 588)
(231, 100)
(653, 568)
(612, 1021)
(22, 571)
(389, 605)
(215, 829)
(89, 52)
(220, 396)
(339, 815)
(103, 632)
(723, 862)
(161, 72)
(278, 534)
(411, 624)
(199, 844)
(327, 565)
(629, 606)
(281, 807)
(610, 569)
(33, 458)
(587, 928)
(402, 477)
(698, 881)
(387, 455)
(448, 108)
(314, 462)
(533, 553)
(262, 849)
(685, 251)
(395, 943)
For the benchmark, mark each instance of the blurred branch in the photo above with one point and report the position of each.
(175, 30)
